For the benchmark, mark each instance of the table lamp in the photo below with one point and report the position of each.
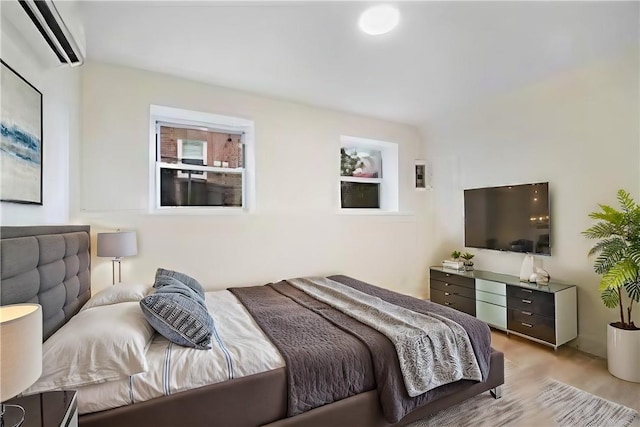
(117, 245)
(20, 352)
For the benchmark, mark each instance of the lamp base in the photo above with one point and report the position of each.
(114, 261)
(11, 415)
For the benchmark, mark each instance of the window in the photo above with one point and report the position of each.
(368, 174)
(200, 160)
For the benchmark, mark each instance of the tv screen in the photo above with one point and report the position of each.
(512, 218)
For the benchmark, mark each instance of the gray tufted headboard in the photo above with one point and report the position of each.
(48, 265)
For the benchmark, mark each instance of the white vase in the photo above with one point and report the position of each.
(623, 353)
(527, 268)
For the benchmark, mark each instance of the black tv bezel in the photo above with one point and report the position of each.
(506, 186)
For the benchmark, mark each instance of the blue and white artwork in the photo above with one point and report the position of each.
(20, 139)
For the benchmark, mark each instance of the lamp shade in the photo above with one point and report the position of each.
(118, 244)
(20, 348)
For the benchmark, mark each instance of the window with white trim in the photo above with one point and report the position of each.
(200, 159)
(368, 174)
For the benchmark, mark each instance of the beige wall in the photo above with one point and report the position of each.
(578, 130)
(295, 228)
(60, 88)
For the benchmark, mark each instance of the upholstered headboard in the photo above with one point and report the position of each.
(48, 265)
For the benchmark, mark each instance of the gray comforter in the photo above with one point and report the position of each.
(432, 350)
(321, 344)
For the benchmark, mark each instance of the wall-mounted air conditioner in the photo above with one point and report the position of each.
(53, 31)
(47, 19)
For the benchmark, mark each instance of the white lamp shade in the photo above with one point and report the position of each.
(118, 244)
(20, 348)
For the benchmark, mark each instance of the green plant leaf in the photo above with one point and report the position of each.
(603, 230)
(633, 290)
(633, 252)
(610, 297)
(608, 214)
(611, 251)
(620, 274)
(625, 200)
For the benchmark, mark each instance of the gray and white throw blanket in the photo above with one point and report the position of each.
(330, 355)
(432, 350)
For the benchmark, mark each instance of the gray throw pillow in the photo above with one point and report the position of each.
(187, 280)
(179, 315)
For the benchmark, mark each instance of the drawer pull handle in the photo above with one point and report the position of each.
(526, 301)
(447, 303)
(527, 313)
(446, 284)
(447, 293)
(527, 290)
(527, 325)
(447, 274)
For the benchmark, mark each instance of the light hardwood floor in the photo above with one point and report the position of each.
(568, 365)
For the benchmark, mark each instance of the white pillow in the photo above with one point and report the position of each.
(98, 345)
(122, 292)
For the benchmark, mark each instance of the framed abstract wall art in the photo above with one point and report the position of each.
(20, 139)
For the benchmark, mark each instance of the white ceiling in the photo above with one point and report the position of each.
(443, 55)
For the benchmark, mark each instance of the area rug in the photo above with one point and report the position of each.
(529, 399)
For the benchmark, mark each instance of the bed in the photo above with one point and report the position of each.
(50, 265)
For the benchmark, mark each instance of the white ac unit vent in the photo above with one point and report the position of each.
(45, 16)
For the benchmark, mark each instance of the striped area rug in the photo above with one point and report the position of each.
(529, 399)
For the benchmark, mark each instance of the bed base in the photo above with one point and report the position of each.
(261, 400)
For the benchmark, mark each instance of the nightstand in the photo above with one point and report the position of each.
(49, 409)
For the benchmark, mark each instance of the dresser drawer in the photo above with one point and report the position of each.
(540, 306)
(453, 289)
(492, 287)
(458, 302)
(531, 324)
(492, 314)
(530, 294)
(468, 282)
(500, 300)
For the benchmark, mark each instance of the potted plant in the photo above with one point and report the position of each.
(618, 261)
(455, 255)
(468, 264)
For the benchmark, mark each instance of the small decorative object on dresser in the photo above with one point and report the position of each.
(618, 261)
(454, 263)
(467, 257)
(527, 269)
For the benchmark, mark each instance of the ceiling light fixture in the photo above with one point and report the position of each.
(379, 19)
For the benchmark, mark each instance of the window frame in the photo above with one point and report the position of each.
(388, 190)
(176, 117)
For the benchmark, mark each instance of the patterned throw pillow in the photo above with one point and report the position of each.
(187, 280)
(179, 314)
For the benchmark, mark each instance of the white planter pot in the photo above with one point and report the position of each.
(623, 353)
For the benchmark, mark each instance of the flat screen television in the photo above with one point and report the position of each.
(513, 218)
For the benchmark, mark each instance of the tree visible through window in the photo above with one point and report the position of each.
(368, 174)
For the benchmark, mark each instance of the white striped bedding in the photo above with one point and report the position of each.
(239, 348)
